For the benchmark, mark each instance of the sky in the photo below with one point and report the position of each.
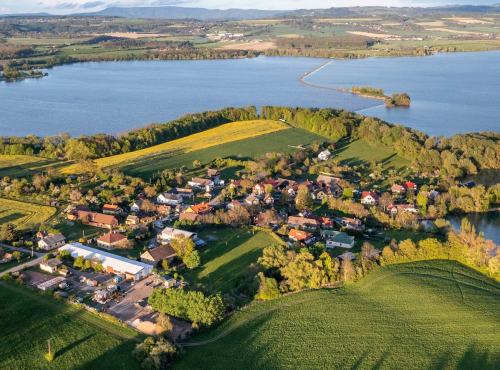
(78, 6)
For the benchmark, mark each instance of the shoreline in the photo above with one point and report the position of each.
(301, 79)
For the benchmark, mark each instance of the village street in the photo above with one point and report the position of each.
(31, 262)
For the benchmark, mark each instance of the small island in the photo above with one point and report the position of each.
(398, 100)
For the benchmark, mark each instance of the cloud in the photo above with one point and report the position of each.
(65, 6)
(152, 2)
(92, 4)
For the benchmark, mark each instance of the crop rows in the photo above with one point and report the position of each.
(24, 215)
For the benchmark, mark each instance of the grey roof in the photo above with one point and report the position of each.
(54, 239)
(53, 262)
(171, 196)
(162, 252)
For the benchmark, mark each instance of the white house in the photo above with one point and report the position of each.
(252, 200)
(369, 198)
(168, 198)
(50, 265)
(169, 233)
(324, 155)
(51, 242)
(198, 182)
(339, 239)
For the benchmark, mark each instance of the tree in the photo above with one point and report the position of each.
(165, 264)
(422, 202)
(347, 193)
(273, 257)
(347, 270)
(48, 256)
(164, 325)
(407, 248)
(269, 189)
(79, 262)
(64, 255)
(8, 232)
(147, 205)
(268, 288)
(303, 199)
(196, 164)
(99, 267)
(192, 260)
(304, 272)
(387, 253)
(385, 199)
(183, 246)
(75, 196)
(150, 191)
(17, 255)
(328, 265)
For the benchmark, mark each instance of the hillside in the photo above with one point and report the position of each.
(423, 315)
(175, 12)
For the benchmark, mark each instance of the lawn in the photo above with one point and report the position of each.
(78, 230)
(422, 315)
(251, 147)
(224, 260)
(79, 339)
(24, 215)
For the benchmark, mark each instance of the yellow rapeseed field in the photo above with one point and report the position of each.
(24, 215)
(220, 135)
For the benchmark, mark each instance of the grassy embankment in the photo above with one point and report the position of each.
(422, 315)
(80, 340)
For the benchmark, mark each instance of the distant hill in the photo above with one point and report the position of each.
(175, 12)
(26, 15)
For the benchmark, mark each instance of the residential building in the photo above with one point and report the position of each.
(319, 194)
(259, 189)
(42, 234)
(306, 213)
(198, 182)
(95, 219)
(252, 200)
(213, 174)
(352, 223)
(51, 242)
(110, 209)
(185, 192)
(189, 216)
(339, 239)
(324, 155)
(395, 208)
(110, 240)
(50, 265)
(233, 204)
(269, 200)
(398, 189)
(137, 206)
(169, 198)
(284, 183)
(300, 236)
(325, 222)
(154, 256)
(132, 220)
(369, 198)
(309, 223)
(325, 181)
(411, 185)
(199, 209)
(112, 263)
(169, 233)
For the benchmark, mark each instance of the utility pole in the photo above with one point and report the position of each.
(48, 342)
(31, 251)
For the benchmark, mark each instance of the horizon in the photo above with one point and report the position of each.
(57, 7)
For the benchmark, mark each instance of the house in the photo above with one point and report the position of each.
(269, 200)
(309, 223)
(325, 181)
(110, 209)
(334, 191)
(212, 174)
(369, 198)
(300, 236)
(112, 263)
(169, 198)
(319, 194)
(110, 240)
(198, 182)
(42, 234)
(284, 183)
(154, 256)
(132, 220)
(199, 209)
(352, 223)
(189, 216)
(398, 189)
(6, 258)
(137, 206)
(95, 219)
(411, 185)
(395, 208)
(51, 242)
(273, 183)
(252, 200)
(233, 204)
(259, 189)
(162, 208)
(324, 155)
(306, 213)
(50, 265)
(169, 233)
(339, 239)
(325, 222)
(185, 192)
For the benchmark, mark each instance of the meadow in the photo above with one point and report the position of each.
(421, 315)
(24, 215)
(224, 260)
(16, 166)
(79, 339)
(223, 134)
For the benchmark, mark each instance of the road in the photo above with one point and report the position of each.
(31, 262)
(215, 200)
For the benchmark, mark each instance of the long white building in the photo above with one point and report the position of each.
(111, 262)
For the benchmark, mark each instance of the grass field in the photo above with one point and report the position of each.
(80, 340)
(24, 215)
(223, 134)
(23, 165)
(280, 142)
(422, 315)
(223, 264)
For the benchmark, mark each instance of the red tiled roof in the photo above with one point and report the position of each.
(200, 208)
(109, 207)
(299, 234)
(372, 193)
(111, 238)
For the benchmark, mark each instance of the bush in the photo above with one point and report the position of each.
(49, 357)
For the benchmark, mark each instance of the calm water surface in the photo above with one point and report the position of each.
(450, 92)
(487, 222)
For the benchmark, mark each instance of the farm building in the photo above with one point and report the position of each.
(51, 284)
(50, 265)
(112, 263)
(51, 242)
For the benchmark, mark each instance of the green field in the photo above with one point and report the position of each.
(80, 340)
(245, 149)
(24, 215)
(422, 315)
(22, 165)
(223, 264)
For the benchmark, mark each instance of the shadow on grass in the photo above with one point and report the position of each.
(72, 345)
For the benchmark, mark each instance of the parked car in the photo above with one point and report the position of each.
(132, 283)
(148, 283)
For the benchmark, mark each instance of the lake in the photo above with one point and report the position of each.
(487, 222)
(450, 93)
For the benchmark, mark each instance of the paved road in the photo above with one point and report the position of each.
(215, 200)
(31, 262)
